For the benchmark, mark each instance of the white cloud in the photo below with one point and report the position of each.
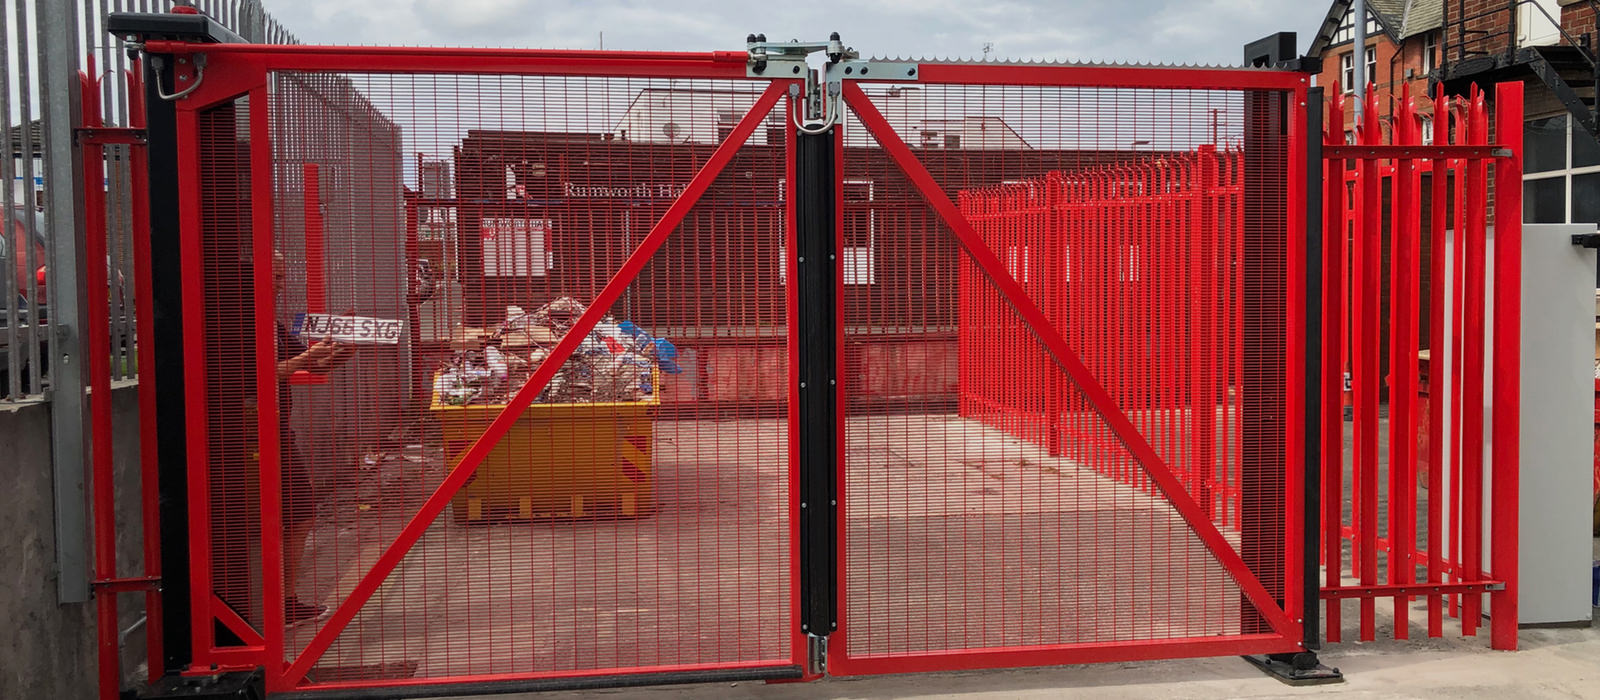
(1171, 31)
(481, 18)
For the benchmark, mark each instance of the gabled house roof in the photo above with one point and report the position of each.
(1398, 19)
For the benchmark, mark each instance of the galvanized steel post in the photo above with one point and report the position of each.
(58, 90)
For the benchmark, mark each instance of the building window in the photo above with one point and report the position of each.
(1561, 173)
(515, 246)
(1348, 70)
(858, 257)
(1430, 52)
(1427, 131)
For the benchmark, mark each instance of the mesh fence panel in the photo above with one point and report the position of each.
(232, 447)
(988, 502)
(435, 236)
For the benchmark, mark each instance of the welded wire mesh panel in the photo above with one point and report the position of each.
(230, 420)
(991, 501)
(438, 236)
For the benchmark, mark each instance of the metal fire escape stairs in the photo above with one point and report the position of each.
(1570, 70)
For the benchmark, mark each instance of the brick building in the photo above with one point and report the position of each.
(1402, 48)
(1550, 46)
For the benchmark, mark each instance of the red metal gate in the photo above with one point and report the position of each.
(1117, 476)
(1069, 311)
(594, 531)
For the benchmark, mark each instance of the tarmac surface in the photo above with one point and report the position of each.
(1552, 663)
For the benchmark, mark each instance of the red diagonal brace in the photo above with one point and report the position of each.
(1120, 424)
(524, 397)
(230, 619)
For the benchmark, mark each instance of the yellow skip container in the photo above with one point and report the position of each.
(567, 460)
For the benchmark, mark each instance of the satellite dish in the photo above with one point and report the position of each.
(671, 130)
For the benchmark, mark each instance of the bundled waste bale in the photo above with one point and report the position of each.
(616, 362)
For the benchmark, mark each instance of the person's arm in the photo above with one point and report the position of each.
(313, 359)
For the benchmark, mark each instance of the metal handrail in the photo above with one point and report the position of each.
(1458, 23)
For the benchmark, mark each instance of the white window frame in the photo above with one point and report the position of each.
(1347, 71)
(1565, 173)
(1430, 52)
(516, 246)
(858, 264)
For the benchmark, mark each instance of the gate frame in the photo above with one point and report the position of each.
(1286, 618)
(231, 71)
(243, 70)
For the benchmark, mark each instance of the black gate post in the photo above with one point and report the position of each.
(167, 356)
(1268, 116)
(816, 254)
(1311, 508)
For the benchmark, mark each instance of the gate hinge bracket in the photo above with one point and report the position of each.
(127, 585)
(817, 653)
(1587, 240)
(822, 105)
(774, 59)
(887, 71)
(777, 59)
(109, 135)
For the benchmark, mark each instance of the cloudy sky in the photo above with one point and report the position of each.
(1167, 31)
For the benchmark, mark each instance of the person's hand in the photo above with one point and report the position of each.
(324, 355)
(340, 355)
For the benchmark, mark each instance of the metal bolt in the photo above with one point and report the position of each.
(833, 503)
(802, 385)
(911, 71)
(802, 258)
(802, 504)
(863, 70)
(831, 256)
(832, 382)
(797, 70)
(848, 70)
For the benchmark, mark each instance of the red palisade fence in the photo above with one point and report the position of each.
(1131, 296)
(1413, 523)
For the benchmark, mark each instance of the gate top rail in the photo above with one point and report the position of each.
(731, 65)
(406, 59)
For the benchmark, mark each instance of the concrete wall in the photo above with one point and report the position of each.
(47, 650)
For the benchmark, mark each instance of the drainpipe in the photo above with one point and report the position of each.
(1359, 55)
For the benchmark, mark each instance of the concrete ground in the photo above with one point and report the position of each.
(614, 592)
(1552, 663)
(959, 536)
